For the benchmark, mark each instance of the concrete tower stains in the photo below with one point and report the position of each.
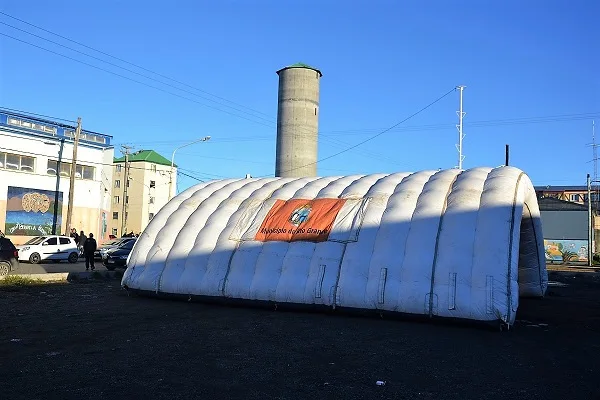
(297, 121)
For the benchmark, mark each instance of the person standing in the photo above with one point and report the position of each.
(89, 247)
(74, 235)
(80, 243)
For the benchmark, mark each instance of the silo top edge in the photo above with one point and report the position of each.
(300, 65)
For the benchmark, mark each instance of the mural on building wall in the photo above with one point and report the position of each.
(30, 212)
(565, 251)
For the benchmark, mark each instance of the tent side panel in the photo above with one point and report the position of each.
(491, 262)
(454, 262)
(421, 244)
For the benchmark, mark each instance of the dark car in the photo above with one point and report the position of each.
(117, 257)
(102, 250)
(9, 256)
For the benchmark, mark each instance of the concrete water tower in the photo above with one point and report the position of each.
(297, 121)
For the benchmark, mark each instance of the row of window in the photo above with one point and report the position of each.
(32, 125)
(574, 197)
(116, 215)
(119, 167)
(90, 137)
(118, 184)
(583, 197)
(81, 171)
(17, 162)
(117, 200)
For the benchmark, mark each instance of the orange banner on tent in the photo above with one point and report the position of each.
(299, 219)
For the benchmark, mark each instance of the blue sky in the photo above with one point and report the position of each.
(530, 61)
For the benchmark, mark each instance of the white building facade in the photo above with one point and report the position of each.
(35, 166)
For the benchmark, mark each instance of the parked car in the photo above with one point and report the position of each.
(54, 248)
(9, 256)
(117, 257)
(110, 245)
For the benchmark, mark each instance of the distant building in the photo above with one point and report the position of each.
(570, 194)
(574, 194)
(35, 166)
(565, 227)
(147, 191)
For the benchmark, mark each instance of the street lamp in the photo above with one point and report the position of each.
(204, 139)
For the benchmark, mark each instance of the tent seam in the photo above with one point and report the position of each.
(437, 242)
(510, 245)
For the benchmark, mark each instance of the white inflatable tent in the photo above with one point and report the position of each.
(451, 243)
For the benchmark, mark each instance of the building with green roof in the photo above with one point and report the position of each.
(137, 197)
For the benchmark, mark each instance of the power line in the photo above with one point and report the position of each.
(126, 62)
(203, 173)
(131, 79)
(271, 122)
(379, 134)
(26, 113)
(414, 128)
(190, 176)
(132, 71)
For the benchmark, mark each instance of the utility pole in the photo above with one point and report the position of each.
(461, 136)
(57, 190)
(72, 177)
(125, 150)
(590, 226)
(595, 155)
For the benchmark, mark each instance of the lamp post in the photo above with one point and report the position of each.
(57, 189)
(204, 139)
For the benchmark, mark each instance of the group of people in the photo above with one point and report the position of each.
(87, 247)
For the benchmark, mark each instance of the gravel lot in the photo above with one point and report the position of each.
(93, 341)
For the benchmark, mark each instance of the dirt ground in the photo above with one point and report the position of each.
(93, 341)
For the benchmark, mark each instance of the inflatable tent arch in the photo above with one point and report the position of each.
(450, 243)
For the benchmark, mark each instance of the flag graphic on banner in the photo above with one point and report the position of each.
(300, 219)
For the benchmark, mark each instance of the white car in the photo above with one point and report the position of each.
(54, 248)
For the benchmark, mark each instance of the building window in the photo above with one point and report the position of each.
(150, 216)
(116, 200)
(114, 231)
(81, 171)
(118, 168)
(84, 172)
(151, 200)
(126, 199)
(115, 215)
(32, 125)
(117, 183)
(128, 182)
(574, 197)
(17, 162)
(152, 184)
(153, 167)
(88, 137)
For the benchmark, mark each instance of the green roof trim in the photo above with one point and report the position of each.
(149, 156)
(300, 65)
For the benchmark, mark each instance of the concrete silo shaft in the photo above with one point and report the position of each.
(297, 121)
